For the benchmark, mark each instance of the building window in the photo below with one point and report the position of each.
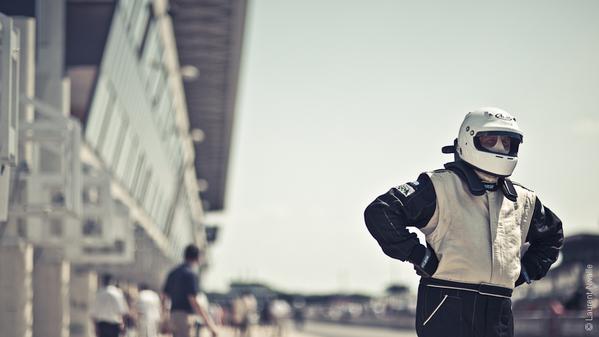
(124, 162)
(159, 84)
(120, 141)
(149, 23)
(136, 175)
(149, 54)
(91, 195)
(150, 194)
(92, 227)
(132, 162)
(111, 144)
(107, 116)
(136, 11)
(154, 203)
(56, 227)
(97, 111)
(126, 9)
(162, 114)
(139, 26)
(159, 212)
(143, 194)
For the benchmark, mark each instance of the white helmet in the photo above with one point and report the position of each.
(497, 154)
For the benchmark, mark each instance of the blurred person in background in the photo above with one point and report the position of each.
(265, 318)
(182, 289)
(238, 314)
(204, 303)
(299, 313)
(109, 309)
(476, 222)
(130, 318)
(280, 312)
(148, 310)
(217, 312)
(251, 314)
(245, 313)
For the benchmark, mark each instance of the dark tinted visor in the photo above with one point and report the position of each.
(498, 142)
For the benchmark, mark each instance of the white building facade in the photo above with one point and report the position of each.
(114, 159)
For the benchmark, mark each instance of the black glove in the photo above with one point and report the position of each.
(424, 260)
(524, 277)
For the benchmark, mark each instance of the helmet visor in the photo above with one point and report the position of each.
(498, 142)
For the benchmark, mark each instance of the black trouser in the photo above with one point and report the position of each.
(454, 309)
(105, 329)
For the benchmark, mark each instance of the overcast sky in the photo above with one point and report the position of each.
(341, 100)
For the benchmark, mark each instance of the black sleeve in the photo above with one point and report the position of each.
(191, 284)
(411, 204)
(167, 285)
(546, 237)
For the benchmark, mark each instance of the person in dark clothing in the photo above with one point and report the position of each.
(181, 288)
(476, 222)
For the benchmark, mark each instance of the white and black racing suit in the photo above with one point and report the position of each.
(475, 234)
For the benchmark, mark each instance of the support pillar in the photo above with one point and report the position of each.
(83, 286)
(50, 293)
(16, 265)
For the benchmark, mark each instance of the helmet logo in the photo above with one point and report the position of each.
(503, 117)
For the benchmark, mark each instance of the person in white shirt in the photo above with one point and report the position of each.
(108, 309)
(148, 308)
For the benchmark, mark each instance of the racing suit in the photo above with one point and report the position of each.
(475, 233)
